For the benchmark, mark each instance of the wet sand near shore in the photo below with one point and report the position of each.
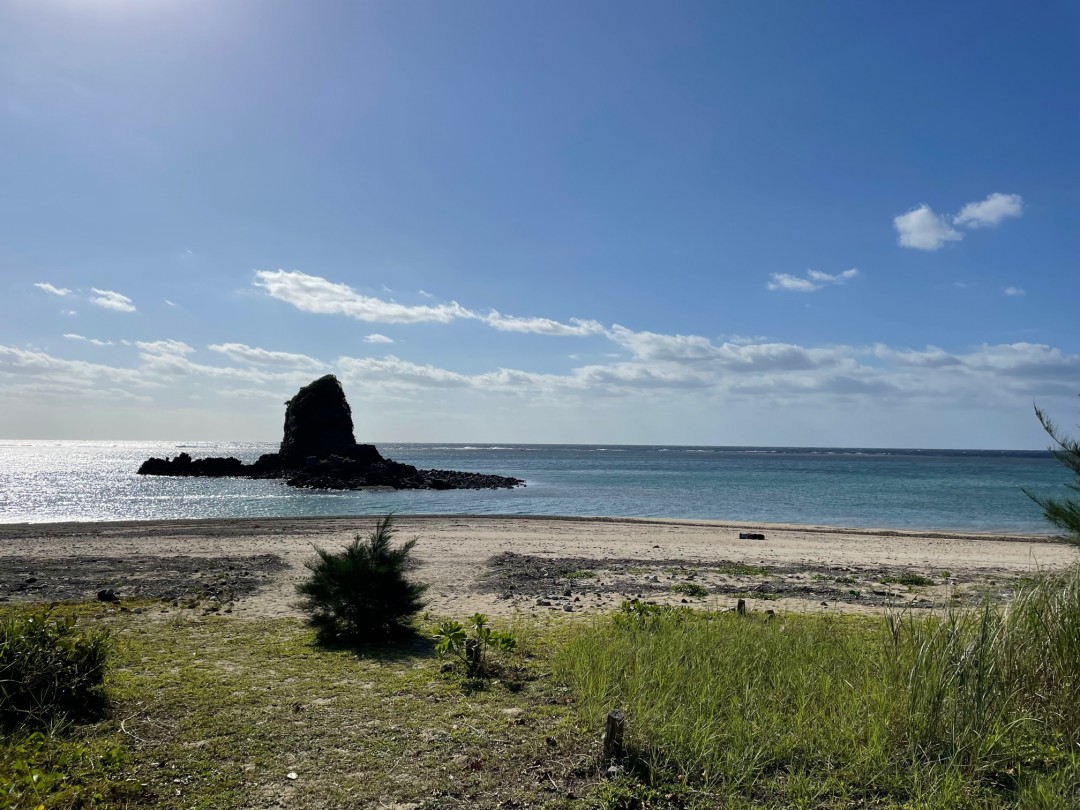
(529, 565)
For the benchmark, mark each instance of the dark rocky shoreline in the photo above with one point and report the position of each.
(337, 472)
(318, 451)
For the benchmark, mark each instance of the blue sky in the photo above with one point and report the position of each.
(783, 223)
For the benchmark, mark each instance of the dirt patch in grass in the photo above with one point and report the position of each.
(562, 582)
(45, 579)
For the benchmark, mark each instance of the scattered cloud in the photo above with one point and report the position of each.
(814, 281)
(784, 281)
(922, 229)
(425, 294)
(991, 211)
(69, 312)
(668, 369)
(169, 303)
(241, 353)
(375, 337)
(163, 347)
(112, 300)
(49, 288)
(542, 326)
(1015, 291)
(93, 341)
(320, 296)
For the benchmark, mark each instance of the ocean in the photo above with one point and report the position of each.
(948, 490)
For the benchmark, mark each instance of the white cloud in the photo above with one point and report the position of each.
(393, 371)
(1015, 291)
(49, 288)
(814, 281)
(922, 229)
(838, 278)
(663, 373)
(650, 347)
(112, 300)
(542, 326)
(991, 211)
(93, 341)
(318, 295)
(425, 294)
(375, 337)
(164, 347)
(241, 353)
(790, 283)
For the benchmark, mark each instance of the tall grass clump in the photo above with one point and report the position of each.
(961, 710)
(362, 593)
(49, 669)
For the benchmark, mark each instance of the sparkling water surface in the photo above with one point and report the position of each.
(962, 490)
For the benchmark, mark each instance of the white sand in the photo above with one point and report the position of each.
(452, 551)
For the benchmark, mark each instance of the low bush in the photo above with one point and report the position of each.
(49, 668)
(362, 593)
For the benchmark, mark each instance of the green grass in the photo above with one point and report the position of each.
(214, 712)
(962, 710)
(976, 709)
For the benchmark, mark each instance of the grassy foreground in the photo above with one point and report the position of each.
(967, 710)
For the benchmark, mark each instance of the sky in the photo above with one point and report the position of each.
(815, 224)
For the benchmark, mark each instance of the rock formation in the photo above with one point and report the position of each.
(318, 450)
(318, 422)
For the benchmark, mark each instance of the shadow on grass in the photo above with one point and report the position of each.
(409, 643)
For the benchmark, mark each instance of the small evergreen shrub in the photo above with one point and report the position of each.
(362, 593)
(49, 668)
(1062, 512)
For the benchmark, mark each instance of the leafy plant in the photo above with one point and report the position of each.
(641, 614)
(49, 668)
(362, 593)
(911, 580)
(691, 589)
(46, 770)
(1062, 512)
(471, 645)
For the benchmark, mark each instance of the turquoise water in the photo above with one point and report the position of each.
(973, 490)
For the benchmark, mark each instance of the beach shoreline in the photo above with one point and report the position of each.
(507, 565)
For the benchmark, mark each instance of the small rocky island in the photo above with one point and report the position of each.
(319, 451)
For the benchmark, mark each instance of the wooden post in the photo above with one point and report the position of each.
(613, 735)
(741, 607)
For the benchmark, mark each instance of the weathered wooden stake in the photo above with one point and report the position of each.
(741, 607)
(613, 735)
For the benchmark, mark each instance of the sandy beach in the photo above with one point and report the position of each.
(539, 565)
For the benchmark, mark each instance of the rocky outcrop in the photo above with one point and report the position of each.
(318, 451)
(318, 422)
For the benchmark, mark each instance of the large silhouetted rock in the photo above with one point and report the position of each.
(318, 422)
(319, 451)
